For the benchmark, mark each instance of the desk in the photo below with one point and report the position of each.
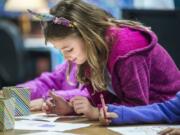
(94, 129)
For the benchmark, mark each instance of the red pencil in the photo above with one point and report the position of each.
(53, 100)
(103, 105)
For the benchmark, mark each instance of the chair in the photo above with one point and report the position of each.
(11, 54)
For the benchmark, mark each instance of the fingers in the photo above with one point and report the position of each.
(78, 102)
(166, 131)
(174, 132)
(35, 108)
(82, 105)
(79, 108)
(47, 106)
(78, 98)
(36, 105)
(56, 97)
(170, 131)
(109, 115)
(53, 95)
(112, 115)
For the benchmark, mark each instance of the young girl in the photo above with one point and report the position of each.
(120, 59)
(56, 80)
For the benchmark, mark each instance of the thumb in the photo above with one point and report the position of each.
(55, 96)
(112, 115)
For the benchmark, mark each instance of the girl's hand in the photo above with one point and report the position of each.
(57, 105)
(82, 105)
(109, 115)
(36, 105)
(170, 131)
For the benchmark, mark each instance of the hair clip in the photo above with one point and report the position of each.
(43, 17)
(63, 21)
(48, 17)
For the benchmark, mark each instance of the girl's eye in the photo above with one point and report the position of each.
(69, 50)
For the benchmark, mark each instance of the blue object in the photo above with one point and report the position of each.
(2, 3)
(8, 14)
(165, 112)
(110, 6)
(125, 3)
(56, 57)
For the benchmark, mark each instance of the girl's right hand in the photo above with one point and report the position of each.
(109, 115)
(56, 105)
(170, 131)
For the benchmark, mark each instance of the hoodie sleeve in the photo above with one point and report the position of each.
(48, 80)
(166, 112)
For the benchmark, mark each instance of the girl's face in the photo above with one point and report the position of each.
(72, 47)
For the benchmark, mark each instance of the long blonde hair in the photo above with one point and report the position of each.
(91, 24)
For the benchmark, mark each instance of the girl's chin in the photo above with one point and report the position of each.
(79, 62)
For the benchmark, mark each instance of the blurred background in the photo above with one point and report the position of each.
(24, 55)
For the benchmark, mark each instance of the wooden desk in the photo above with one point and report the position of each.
(94, 129)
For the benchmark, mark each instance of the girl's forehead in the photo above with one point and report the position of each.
(66, 39)
(64, 43)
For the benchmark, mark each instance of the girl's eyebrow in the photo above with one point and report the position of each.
(64, 47)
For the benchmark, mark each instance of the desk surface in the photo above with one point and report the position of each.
(94, 129)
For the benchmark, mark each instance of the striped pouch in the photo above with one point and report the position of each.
(7, 107)
(22, 97)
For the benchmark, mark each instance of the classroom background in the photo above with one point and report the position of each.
(24, 55)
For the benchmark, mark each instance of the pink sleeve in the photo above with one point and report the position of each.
(49, 80)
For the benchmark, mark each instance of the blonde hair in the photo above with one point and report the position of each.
(91, 24)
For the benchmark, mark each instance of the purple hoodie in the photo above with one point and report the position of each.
(142, 72)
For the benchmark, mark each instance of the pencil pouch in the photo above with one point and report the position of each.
(22, 97)
(7, 107)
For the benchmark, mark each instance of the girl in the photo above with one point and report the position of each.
(120, 59)
(40, 86)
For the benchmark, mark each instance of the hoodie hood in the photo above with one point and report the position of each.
(128, 41)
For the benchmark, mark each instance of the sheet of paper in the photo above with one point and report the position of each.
(141, 130)
(46, 126)
(49, 133)
(39, 117)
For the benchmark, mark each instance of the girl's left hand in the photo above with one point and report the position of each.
(36, 105)
(82, 105)
(170, 131)
(110, 115)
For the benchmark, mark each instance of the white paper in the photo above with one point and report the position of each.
(46, 126)
(39, 117)
(49, 133)
(141, 130)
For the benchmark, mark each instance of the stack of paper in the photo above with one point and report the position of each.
(49, 133)
(46, 126)
(39, 117)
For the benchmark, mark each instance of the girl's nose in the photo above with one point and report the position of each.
(68, 58)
